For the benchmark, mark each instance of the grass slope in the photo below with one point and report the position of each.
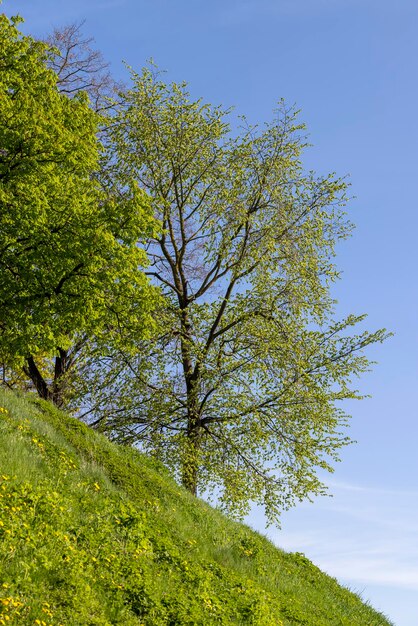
(93, 533)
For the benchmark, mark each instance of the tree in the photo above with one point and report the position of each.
(79, 66)
(240, 393)
(69, 223)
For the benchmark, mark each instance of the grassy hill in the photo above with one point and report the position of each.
(94, 533)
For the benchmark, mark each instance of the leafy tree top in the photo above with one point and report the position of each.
(69, 222)
(240, 392)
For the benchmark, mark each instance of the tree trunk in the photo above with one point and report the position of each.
(38, 380)
(61, 367)
(54, 390)
(190, 464)
(193, 434)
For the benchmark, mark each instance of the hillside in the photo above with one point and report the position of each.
(94, 533)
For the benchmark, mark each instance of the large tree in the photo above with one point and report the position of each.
(240, 392)
(69, 223)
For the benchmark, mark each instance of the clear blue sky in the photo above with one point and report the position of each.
(351, 66)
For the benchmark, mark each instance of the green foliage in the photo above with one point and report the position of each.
(69, 259)
(92, 533)
(239, 393)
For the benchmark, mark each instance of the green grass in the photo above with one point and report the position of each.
(94, 533)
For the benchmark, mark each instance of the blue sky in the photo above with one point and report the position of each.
(351, 67)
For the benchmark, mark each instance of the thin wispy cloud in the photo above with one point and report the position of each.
(361, 536)
(342, 486)
(380, 570)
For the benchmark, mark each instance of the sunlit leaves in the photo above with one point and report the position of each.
(240, 392)
(69, 259)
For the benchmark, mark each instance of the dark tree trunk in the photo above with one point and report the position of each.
(193, 434)
(54, 390)
(41, 386)
(190, 469)
(61, 367)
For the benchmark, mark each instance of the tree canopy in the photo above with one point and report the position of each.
(239, 393)
(189, 258)
(69, 222)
